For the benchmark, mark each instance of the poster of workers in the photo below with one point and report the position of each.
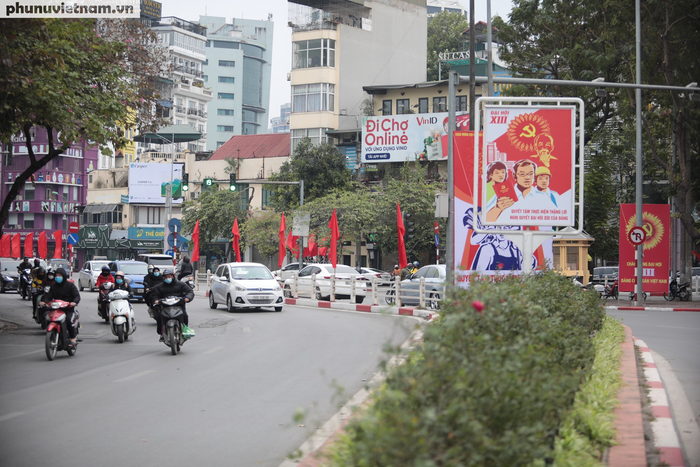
(528, 178)
(656, 222)
(148, 182)
(410, 137)
(486, 254)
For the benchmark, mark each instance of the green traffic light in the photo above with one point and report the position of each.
(232, 187)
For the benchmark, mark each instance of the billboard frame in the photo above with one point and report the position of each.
(528, 240)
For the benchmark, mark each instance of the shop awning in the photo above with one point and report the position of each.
(97, 208)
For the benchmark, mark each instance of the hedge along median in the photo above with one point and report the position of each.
(492, 385)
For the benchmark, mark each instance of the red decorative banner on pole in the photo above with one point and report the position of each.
(333, 225)
(292, 244)
(29, 245)
(41, 247)
(656, 222)
(58, 238)
(16, 246)
(283, 251)
(5, 246)
(402, 231)
(236, 240)
(194, 257)
(312, 249)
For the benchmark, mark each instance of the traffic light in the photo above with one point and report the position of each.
(185, 182)
(232, 180)
(410, 226)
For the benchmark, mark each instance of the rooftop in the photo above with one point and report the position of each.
(252, 146)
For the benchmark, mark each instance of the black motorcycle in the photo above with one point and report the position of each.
(37, 295)
(682, 291)
(172, 316)
(25, 283)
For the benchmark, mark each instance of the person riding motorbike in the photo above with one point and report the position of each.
(405, 272)
(415, 267)
(395, 272)
(25, 264)
(35, 268)
(171, 288)
(186, 268)
(151, 281)
(121, 284)
(64, 290)
(105, 276)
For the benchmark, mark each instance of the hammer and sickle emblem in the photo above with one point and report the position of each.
(648, 229)
(528, 131)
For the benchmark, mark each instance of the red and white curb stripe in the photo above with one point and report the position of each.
(666, 438)
(651, 308)
(389, 310)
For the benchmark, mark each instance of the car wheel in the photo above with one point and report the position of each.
(212, 303)
(434, 301)
(229, 304)
(80, 285)
(359, 299)
(2, 287)
(318, 294)
(278, 308)
(287, 291)
(390, 297)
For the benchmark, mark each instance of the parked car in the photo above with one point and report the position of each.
(9, 278)
(87, 277)
(159, 260)
(244, 285)
(134, 272)
(56, 263)
(343, 276)
(609, 273)
(434, 275)
(381, 276)
(288, 271)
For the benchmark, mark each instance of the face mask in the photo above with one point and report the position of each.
(105, 274)
(168, 280)
(150, 271)
(59, 279)
(120, 281)
(156, 274)
(50, 277)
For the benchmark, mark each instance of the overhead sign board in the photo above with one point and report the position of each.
(148, 182)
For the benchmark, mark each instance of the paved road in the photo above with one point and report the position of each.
(228, 399)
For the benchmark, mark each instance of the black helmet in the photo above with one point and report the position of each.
(105, 269)
(186, 259)
(168, 271)
(37, 262)
(40, 271)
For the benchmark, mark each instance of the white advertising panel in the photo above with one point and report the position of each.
(408, 137)
(148, 182)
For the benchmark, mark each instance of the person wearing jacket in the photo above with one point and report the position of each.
(62, 289)
(171, 288)
(151, 281)
(186, 268)
(105, 276)
(121, 284)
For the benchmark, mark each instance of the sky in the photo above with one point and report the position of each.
(282, 43)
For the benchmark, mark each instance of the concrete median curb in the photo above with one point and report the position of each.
(652, 308)
(389, 310)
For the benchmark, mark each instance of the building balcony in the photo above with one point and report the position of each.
(193, 90)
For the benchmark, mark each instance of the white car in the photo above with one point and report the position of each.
(87, 277)
(244, 285)
(343, 277)
(380, 275)
(290, 270)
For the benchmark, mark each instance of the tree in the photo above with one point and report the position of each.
(322, 168)
(262, 230)
(79, 79)
(216, 212)
(444, 35)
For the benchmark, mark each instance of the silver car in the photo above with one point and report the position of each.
(244, 285)
(87, 277)
(343, 277)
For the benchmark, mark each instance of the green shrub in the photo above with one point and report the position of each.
(488, 389)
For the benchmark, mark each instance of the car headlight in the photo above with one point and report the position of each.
(239, 288)
(277, 288)
(8, 278)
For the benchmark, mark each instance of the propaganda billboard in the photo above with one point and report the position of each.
(656, 222)
(409, 137)
(148, 182)
(490, 254)
(528, 178)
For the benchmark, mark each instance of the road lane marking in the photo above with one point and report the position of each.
(215, 349)
(137, 375)
(10, 415)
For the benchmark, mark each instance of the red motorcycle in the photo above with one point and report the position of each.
(57, 337)
(103, 300)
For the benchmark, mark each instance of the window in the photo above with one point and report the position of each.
(423, 105)
(226, 79)
(462, 103)
(225, 95)
(228, 112)
(316, 135)
(205, 78)
(28, 220)
(225, 128)
(386, 107)
(152, 215)
(439, 104)
(28, 192)
(314, 53)
(266, 196)
(48, 224)
(403, 106)
(313, 97)
(231, 63)
(219, 144)
(223, 44)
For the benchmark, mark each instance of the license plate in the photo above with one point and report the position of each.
(139, 290)
(259, 297)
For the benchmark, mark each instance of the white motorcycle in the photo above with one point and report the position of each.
(121, 315)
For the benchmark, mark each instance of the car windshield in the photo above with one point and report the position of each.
(250, 273)
(134, 268)
(9, 266)
(98, 265)
(159, 260)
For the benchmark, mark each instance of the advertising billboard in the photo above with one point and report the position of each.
(528, 178)
(148, 182)
(486, 254)
(656, 223)
(407, 137)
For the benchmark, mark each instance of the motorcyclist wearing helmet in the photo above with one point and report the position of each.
(186, 268)
(120, 283)
(105, 276)
(171, 288)
(39, 277)
(416, 266)
(405, 272)
(63, 289)
(151, 281)
(37, 265)
(25, 264)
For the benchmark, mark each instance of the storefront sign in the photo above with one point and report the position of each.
(146, 233)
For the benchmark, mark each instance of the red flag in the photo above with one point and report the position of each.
(236, 239)
(292, 244)
(402, 231)
(333, 225)
(41, 246)
(29, 245)
(312, 249)
(283, 251)
(5, 246)
(696, 255)
(58, 238)
(16, 246)
(194, 257)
